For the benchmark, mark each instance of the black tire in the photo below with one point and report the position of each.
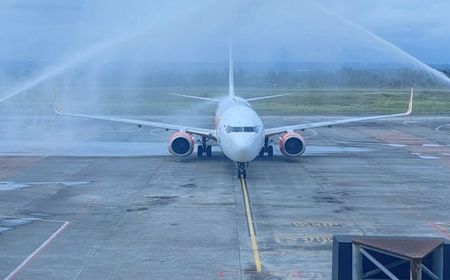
(199, 151)
(208, 151)
(242, 174)
(261, 153)
(270, 151)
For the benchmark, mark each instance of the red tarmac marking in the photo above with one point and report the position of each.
(413, 143)
(443, 230)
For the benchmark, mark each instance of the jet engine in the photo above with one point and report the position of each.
(181, 144)
(292, 144)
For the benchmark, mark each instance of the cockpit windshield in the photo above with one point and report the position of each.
(242, 129)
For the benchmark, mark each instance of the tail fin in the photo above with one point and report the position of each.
(55, 103)
(230, 73)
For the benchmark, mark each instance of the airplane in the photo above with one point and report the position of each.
(239, 131)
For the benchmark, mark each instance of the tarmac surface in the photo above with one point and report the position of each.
(89, 207)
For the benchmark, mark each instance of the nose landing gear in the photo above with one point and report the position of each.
(204, 148)
(242, 169)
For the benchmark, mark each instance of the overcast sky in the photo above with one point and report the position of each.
(294, 30)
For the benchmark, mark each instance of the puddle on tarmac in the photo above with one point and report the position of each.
(11, 185)
(310, 150)
(2, 229)
(83, 149)
(10, 223)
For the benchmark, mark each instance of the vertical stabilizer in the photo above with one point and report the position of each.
(231, 73)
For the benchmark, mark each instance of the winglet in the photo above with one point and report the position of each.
(231, 72)
(55, 104)
(410, 105)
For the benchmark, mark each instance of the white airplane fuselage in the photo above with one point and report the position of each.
(239, 129)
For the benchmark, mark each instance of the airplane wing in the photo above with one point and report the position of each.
(278, 130)
(209, 133)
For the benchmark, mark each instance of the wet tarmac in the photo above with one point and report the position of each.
(115, 206)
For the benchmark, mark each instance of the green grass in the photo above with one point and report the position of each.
(154, 101)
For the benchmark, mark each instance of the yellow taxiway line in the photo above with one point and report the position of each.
(251, 229)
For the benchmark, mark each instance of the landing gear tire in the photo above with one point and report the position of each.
(203, 148)
(270, 151)
(261, 153)
(267, 148)
(242, 171)
(242, 174)
(199, 151)
(208, 151)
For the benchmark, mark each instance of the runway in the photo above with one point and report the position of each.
(103, 212)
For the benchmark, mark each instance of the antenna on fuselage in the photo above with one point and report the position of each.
(230, 73)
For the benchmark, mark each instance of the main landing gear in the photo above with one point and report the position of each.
(242, 169)
(203, 148)
(267, 149)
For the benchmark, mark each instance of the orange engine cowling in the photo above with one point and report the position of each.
(292, 144)
(181, 144)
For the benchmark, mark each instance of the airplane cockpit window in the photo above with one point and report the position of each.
(241, 129)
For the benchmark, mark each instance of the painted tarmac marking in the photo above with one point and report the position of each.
(439, 128)
(441, 228)
(317, 239)
(313, 133)
(408, 122)
(397, 145)
(315, 224)
(294, 239)
(251, 228)
(432, 145)
(30, 257)
(418, 146)
(420, 155)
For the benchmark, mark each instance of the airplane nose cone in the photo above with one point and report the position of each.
(241, 144)
(244, 150)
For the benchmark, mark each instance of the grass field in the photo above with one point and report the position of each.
(157, 101)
